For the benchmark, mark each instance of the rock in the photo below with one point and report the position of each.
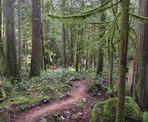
(62, 118)
(67, 113)
(84, 100)
(79, 113)
(43, 120)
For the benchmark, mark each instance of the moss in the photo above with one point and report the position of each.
(3, 95)
(23, 101)
(106, 111)
(145, 116)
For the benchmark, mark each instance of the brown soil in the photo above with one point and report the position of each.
(78, 93)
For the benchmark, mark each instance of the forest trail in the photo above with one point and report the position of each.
(77, 93)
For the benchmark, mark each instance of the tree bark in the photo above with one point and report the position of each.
(1, 45)
(63, 46)
(19, 34)
(12, 69)
(123, 60)
(142, 69)
(63, 38)
(36, 59)
(100, 50)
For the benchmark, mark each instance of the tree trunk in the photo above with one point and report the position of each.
(63, 46)
(12, 69)
(1, 45)
(100, 50)
(19, 34)
(111, 65)
(36, 58)
(72, 36)
(1, 42)
(63, 38)
(142, 78)
(123, 60)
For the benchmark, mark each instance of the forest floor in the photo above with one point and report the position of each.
(76, 107)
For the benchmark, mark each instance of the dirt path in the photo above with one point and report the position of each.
(78, 92)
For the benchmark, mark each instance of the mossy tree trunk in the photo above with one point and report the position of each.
(79, 43)
(64, 63)
(12, 69)
(36, 59)
(142, 69)
(0, 25)
(123, 59)
(72, 37)
(1, 42)
(1, 45)
(100, 50)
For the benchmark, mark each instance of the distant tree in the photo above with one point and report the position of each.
(19, 34)
(36, 59)
(63, 38)
(100, 50)
(11, 59)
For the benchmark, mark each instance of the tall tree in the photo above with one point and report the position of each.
(19, 34)
(123, 59)
(100, 50)
(79, 43)
(12, 69)
(63, 38)
(142, 76)
(1, 47)
(36, 58)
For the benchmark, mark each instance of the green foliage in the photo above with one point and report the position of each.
(145, 116)
(105, 111)
(38, 90)
(98, 84)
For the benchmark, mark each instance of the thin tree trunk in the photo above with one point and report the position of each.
(1, 45)
(123, 60)
(44, 55)
(111, 68)
(63, 38)
(19, 34)
(71, 46)
(63, 46)
(100, 61)
(100, 50)
(77, 56)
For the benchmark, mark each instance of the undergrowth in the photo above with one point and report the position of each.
(27, 94)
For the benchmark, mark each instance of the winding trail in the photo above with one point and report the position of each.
(78, 91)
